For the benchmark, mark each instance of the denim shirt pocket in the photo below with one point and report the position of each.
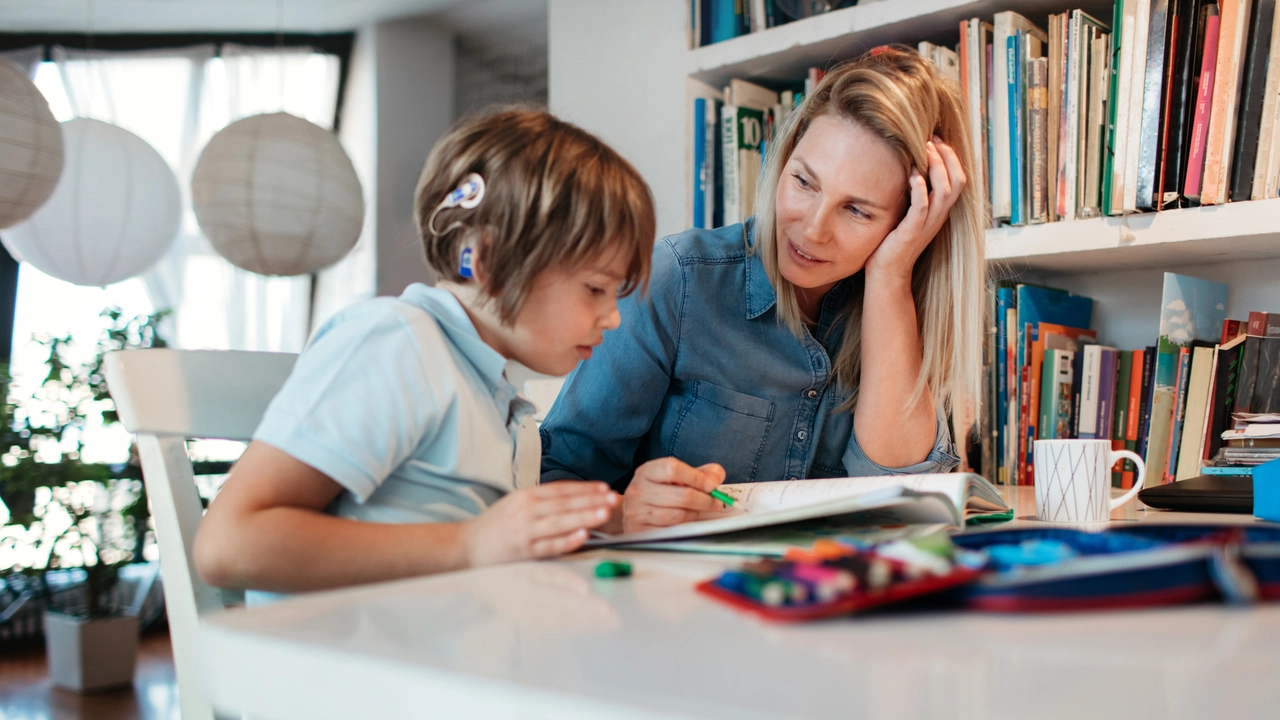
(723, 426)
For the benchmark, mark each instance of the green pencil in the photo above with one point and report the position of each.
(725, 498)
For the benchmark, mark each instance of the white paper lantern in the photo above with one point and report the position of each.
(30, 147)
(114, 213)
(277, 195)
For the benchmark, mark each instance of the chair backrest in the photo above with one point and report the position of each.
(166, 396)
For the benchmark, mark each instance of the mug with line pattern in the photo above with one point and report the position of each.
(1073, 480)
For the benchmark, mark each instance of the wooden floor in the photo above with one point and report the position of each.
(25, 692)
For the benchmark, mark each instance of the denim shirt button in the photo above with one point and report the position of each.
(812, 394)
(802, 435)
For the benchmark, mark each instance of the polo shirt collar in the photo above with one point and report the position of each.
(455, 322)
(760, 293)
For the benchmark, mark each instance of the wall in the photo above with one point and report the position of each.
(1126, 313)
(616, 68)
(414, 97)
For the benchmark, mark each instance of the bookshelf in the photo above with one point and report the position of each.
(1070, 253)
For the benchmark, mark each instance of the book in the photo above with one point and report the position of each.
(1037, 112)
(1179, 413)
(976, 35)
(1263, 168)
(1055, 52)
(1266, 386)
(1123, 44)
(1194, 430)
(1096, 119)
(724, 20)
(1138, 74)
(1147, 390)
(858, 502)
(742, 130)
(1055, 404)
(1109, 185)
(1077, 380)
(1152, 95)
(1232, 328)
(1226, 376)
(1249, 122)
(1263, 324)
(1090, 392)
(1234, 24)
(1108, 368)
(1185, 31)
(700, 162)
(1205, 84)
(1247, 376)
(1191, 309)
(1120, 421)
(1047, 336)
(1005, 25)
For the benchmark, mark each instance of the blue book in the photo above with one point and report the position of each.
(1004, 301)
(1013, 52)
(1037, 304)
(724, 22)
(1226, 470)
(700, 162)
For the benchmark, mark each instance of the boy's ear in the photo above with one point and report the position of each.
(480, 271)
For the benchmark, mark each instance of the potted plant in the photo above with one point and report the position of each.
(90, 517)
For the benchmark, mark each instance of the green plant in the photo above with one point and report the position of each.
(43, 480)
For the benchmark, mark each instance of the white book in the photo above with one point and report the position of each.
(1273, 169)
(1138, 75)
(1241, 31)
(1267, 129)
(757, 16)
(1071, 108)
(748, 94)
(948, 62)
(1124, 88)
(867, 501)
(975, 62)
(1191, 443)
(1005, 25)
(729, 168)
(1090, 374)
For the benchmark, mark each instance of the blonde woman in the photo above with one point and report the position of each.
(827, 336)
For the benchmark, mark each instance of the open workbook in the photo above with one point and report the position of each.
(856, 502)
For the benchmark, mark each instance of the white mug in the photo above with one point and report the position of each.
(1073, 480)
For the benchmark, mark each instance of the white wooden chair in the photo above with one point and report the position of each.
(165, 397)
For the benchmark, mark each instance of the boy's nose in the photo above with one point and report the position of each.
(613, 320)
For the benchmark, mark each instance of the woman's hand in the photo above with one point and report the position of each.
(898, 252)
(550, 519)
(667, 492)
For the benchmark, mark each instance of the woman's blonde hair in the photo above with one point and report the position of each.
(901, 98)
(555, 196)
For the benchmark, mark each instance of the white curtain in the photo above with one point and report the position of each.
(177, 100)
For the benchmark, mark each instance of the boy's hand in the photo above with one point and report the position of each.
(667, 492)
(547, 520)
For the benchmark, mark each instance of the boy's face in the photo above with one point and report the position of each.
(566, 313)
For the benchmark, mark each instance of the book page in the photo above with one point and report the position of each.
(782, 495)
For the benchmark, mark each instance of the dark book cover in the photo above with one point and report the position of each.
(1153, 95)
(1251, 97)
(1186, 32)
(1148, 373)
(704, 23)
(1248, 375)
(1266, 388)
(1077, 377)
(1264, 324)
(717, 171)
(1225, 381)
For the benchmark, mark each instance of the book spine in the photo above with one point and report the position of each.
(1052, 115)
(1148, 392)
(1204, 103)
(1106, 393)
(732, 172)
(1038, 100)
(1133, 416)
(1266, 388)
(1230, 78)
(1267, 130)
(1077, 382)
(1248, 375)
(1251, 97)
(1123, 32)
(1048, 393)
(1179, 414)
(1089, 393)
(1263, 324)
(1075, 89)
(699, 162)
(1133, 144)
(1169, 119)
(1024, 434)
(1004, 303)
(1113, 82)
(1015, 129)
(1157, 35)
(1230, 329)
(1001, 118)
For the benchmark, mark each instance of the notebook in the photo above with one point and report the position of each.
(945, 499)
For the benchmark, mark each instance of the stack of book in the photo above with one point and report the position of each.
(1166, 104)
(712, 21)
(1186, 404)
(1253, 440)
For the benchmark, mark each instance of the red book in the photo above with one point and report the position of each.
(1204, 99)
(1264, 324)
(1025, 475)
(1133, 420)
(1232, 329)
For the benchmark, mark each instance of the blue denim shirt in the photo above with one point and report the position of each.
(703, 370)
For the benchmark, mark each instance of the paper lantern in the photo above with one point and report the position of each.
(30, 147)
(114, 213)
(277, 195)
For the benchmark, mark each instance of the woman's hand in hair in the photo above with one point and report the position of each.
(667, 492)
(929, 209)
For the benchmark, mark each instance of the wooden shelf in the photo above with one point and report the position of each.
(1220, 233)
(783, 55)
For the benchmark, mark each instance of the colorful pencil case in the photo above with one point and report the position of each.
(840, 578)
(1259, 547)
(1109, 570)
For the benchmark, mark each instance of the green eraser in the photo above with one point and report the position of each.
(613, 569)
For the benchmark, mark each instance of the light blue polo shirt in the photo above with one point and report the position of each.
(403, 405)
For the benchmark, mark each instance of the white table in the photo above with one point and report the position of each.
(548, 640)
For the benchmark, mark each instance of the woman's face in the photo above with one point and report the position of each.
(841, 192)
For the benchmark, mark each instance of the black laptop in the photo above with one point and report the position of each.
(1203, 493)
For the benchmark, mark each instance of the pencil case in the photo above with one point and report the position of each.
(842, 578)
(1259, 547)
(1115, 569)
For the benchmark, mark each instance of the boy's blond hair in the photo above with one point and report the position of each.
(555, 196)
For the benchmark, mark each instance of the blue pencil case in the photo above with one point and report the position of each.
(1151, 566)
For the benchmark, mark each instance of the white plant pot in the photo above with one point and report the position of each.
(89, 655)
